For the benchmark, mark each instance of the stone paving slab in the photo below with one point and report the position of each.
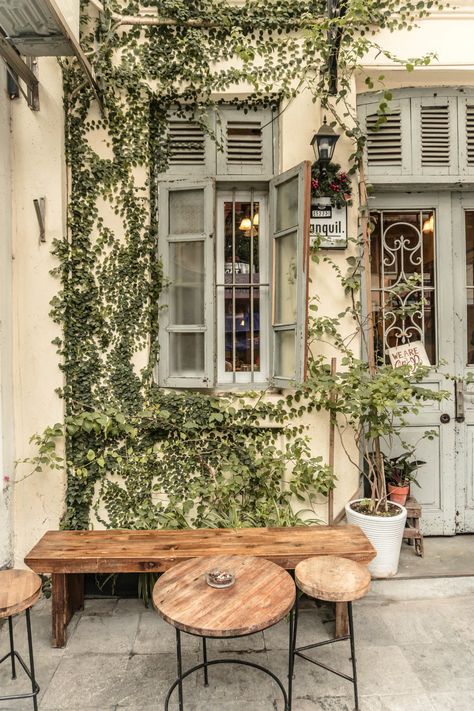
(413, 655)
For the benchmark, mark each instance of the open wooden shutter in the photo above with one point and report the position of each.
(290, 199)
(186, 230)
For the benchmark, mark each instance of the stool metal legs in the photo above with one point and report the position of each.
(30, 672)
(32, 662)
(353, 655)
(12, 647)
(299, 652)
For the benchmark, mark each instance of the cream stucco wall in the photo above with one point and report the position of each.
(29, 366)
(38, 170)
(6, 391)
(31, 166)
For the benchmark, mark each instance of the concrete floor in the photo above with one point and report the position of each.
(415, 653)
(444, 556)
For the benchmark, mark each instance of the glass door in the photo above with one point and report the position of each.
(411, 279)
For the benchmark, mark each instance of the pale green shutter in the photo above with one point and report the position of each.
(248, 141)
(290, 197)
(186, 231)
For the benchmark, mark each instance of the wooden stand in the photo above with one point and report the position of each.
(412, 530)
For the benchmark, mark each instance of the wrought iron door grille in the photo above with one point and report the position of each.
(403, 279)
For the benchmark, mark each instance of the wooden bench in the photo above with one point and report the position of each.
(68, 555)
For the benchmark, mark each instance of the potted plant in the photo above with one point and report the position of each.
(379, 401)
(400, 474)
(371, 405)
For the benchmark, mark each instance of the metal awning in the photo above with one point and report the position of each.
(37, 28)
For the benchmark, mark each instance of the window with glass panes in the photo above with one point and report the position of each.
(234, 252)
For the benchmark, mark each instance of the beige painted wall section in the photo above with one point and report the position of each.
(7, 455)
(447, 34)
(298, 123)
(70, 12)
(38, 170)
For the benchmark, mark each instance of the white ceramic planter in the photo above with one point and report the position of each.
(386, 534)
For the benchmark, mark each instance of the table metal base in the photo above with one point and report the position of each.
(206, 664)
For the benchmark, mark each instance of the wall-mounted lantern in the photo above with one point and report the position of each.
(324, 143)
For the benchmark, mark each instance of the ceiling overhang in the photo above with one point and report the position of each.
(37, 28)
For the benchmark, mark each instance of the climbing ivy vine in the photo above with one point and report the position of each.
(136, 455)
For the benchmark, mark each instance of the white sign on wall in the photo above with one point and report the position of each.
(412, 354)
(328, 225)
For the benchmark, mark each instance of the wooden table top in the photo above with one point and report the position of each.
(19, 589)
(136, 551)
(262, 595)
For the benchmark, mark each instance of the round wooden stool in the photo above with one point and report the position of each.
(19, 590)
(330, 579)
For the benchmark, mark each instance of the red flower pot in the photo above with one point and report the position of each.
(398, 494)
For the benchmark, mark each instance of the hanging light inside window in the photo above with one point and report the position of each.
(249, 227)
(428, 224)
(246, 224)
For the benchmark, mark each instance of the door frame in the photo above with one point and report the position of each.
(439, 518)
(461, 202)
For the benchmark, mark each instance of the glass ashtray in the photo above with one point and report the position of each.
(220, 579)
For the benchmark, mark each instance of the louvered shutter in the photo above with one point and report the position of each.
(434, 135)
(384, 142)
(192, 150)
(470, 133)
(466, 134)
(290, 198)
(388, 150)
(187, 142)
(186, 231)
(247, 141)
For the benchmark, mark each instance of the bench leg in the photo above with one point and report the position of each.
(68, 597)
(342, 619)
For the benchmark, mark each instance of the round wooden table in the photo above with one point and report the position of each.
(262, 595)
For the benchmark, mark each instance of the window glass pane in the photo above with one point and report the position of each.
(186, 212)
(285, 354)
(403, 279)
(241, 238)
(186, 354)
(186, 303)
(242, 342)
(285, 279)
(242, 280)
(287, 204)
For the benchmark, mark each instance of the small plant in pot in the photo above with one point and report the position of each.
(400, 473)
